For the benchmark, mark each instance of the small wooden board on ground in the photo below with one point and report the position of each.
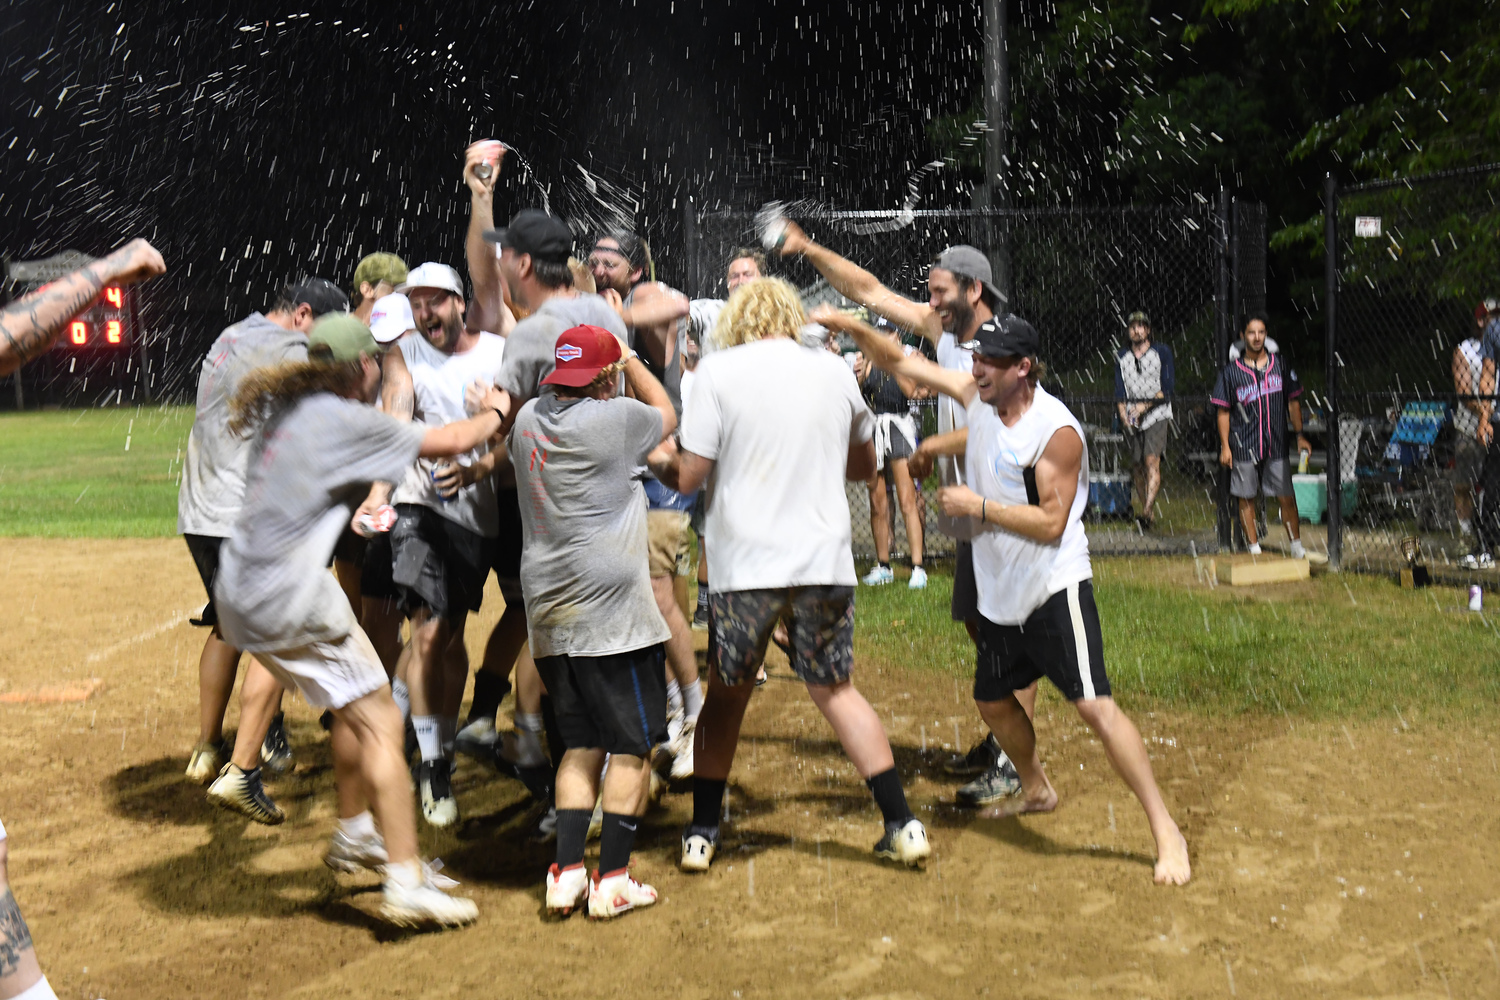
(1243, 571)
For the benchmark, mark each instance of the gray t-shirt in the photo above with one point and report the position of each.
(531, 348)
(309, 468)
(213, 471)
(584, 570)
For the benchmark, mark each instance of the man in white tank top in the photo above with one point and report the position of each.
(1028, 483)
(1468, 453)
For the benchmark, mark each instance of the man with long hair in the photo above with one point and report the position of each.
(778, 524)
(1027, 487)
(317, 447)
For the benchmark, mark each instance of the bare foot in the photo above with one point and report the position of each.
(1043, 801)
(1172, 866)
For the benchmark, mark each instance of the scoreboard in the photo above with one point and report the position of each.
(106, 325)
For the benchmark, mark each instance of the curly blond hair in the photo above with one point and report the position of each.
(267, 391)
(761, 309)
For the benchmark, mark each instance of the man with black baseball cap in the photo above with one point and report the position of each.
(961, 296)
(1027, 488)
(213, 487)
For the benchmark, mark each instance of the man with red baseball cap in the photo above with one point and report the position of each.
(580, 453)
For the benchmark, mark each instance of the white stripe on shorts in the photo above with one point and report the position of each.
(1081, 643)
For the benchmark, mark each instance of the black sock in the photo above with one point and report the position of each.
(708, 802)
(616, 841)
(555, 748)
(490, 690)
(885, 565)
(572, 834)
(886, 787)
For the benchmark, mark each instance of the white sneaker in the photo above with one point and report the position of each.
(906, 844)
(477, 739)
(1254, 549)
(918, 579)
(205, 762)
(424, 905)
(567, 888)
(697, 852)
(879, 576)
(1481, 561)
(682, 751)
(1298, 550)
(435, 789)
(616, 893)
(345, 854)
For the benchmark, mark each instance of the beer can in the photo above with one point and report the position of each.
(1476, 597)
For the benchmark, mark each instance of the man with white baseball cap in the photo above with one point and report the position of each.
(440, 544)
(391, 318)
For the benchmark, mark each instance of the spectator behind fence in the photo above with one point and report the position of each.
(1468, 453)
(1145, 380)
(1487, 523)
(1255, 395)
(895, 440)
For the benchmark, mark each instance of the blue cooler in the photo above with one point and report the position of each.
(1109, 493)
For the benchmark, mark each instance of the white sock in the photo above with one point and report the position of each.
(406, 874)
(402, 695)
(447, 732)
(692, 701)
(1254, 548)
(361, 827)
(530, 722)
(429, 738)
(674, 697)
(528, 740)
(1298, 552)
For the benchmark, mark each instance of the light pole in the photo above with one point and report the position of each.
(996, 190)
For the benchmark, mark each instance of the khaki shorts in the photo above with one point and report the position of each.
(329, 674)
(670, 548)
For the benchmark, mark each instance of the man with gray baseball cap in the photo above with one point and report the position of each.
(961, 295)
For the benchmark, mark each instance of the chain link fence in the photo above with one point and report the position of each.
(1076, 274)
(1409, 261)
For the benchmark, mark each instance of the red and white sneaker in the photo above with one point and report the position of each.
(567, 888)
(615, 893)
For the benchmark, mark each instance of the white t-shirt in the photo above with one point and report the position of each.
(1465, 420)
(439, 381)
(778, 419)
(309, 468)
(1014, 574)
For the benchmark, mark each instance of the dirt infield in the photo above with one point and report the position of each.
(1329, 860)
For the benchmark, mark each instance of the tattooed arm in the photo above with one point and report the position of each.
(29, 325)
(19, 970)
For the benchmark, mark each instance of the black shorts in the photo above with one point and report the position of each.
(350, 547)
(965, 590)
(437, 564)
(1061, 640)
(615, 703)
(375, 576)
(505, 551)
(205, 552)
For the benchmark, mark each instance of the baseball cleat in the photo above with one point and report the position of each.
(205, 761)
(435, 789)
(567, 888)
(348, 855)
(905, 842)
(477, 739)
(425, 905)
(241, 791)
(698, 849)
(275, 752)
(1000, 782)
(616, 893)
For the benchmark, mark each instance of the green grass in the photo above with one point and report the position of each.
(1345, 646)
(67, 473)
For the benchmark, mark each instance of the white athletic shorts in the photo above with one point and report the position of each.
(329, 674)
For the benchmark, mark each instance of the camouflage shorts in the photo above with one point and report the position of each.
(820, 623)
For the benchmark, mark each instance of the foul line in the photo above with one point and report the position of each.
(150, 633)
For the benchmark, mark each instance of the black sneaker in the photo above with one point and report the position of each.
(977, 761)
(435, 790)
(999, 782)
(700, 618)
(241, 792)
(275, 753)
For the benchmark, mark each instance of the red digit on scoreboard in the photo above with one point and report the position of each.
(78, 332)
(115, 296)
(112, 331)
